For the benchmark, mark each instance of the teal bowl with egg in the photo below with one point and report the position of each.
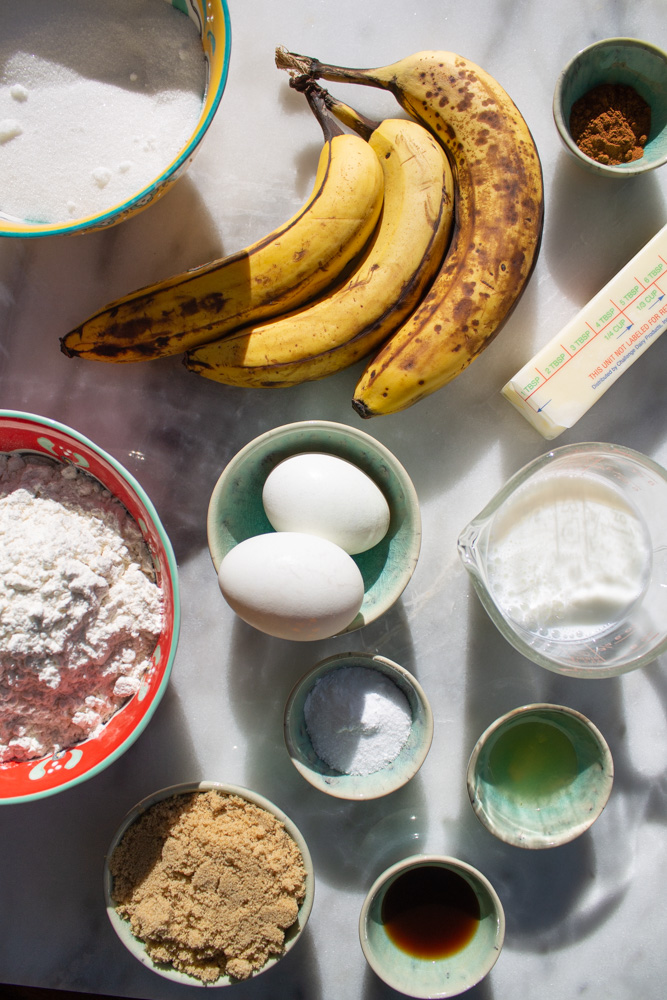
(236, 510)
(540, 775)
(212, 21)
(432, 926)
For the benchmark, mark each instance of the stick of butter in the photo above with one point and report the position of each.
(567, 376)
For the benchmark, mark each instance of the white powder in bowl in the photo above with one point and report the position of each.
(80, 610)
(96, 100)
(358, 719)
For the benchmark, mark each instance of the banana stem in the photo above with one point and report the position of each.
(315, 98)
(359, 123)
(316, 70)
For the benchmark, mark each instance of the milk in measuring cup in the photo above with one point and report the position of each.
(567, 556)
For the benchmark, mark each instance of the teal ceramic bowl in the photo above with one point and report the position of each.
(236, 511)
(540, 776)
(358, 786)
(628, 61)
(122, 926)
(431, 926)
(213, 22)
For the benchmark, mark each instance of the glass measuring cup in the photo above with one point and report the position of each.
(569, 559)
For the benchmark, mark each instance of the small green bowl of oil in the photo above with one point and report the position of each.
(431, 926)
(540, 776)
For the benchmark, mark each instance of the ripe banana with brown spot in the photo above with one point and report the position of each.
(498, 221)
(277, 273)
(343, 326)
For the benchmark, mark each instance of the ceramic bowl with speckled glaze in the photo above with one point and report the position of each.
(122, 926)
(432, 926)
(236, 511)
(377, 783)
(625, 61)
(540, 776)
(213, 23)
(23, 781)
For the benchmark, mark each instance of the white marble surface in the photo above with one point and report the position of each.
(587, 919)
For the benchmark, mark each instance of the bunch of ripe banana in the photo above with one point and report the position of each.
(377, 262)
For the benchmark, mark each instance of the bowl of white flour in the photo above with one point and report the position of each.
(89, 608)
(102, 106)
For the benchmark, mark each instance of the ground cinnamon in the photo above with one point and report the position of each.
(611, 123)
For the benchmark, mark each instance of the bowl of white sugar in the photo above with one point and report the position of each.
(89, 608)
(94, 130)
(358, 726)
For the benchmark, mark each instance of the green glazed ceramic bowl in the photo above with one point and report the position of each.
(213, 22)
(540, 776)
(358, 786)
(236, 511)
(122, 927)
(431, 976)
(627, 61)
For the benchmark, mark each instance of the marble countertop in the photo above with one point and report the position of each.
(585, 919)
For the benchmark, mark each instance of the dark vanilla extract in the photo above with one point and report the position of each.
(430, 912)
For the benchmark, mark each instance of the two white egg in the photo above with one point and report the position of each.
(300, 581)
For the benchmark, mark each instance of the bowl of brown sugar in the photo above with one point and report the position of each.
(610, 107)
(208, 884)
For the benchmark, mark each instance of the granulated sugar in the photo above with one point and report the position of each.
(96, 99)
(80, 611)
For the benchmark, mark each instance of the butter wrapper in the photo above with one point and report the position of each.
(568, 375)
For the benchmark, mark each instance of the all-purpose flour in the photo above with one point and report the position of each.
(96, 100)
(80, 611)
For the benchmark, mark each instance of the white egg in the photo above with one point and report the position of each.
(292, 585)
(325, 495)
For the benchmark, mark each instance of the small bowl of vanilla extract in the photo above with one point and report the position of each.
(431, 926)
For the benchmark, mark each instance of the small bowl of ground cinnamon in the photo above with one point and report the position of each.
(610, 107)
(208, 884)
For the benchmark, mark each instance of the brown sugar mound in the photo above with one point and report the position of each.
(611, 124)
(210, 883)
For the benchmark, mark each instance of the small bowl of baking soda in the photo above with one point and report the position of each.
(93, 132)
(610, 107)
(358, 726)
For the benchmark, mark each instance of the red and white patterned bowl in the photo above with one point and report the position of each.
(34, 779)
